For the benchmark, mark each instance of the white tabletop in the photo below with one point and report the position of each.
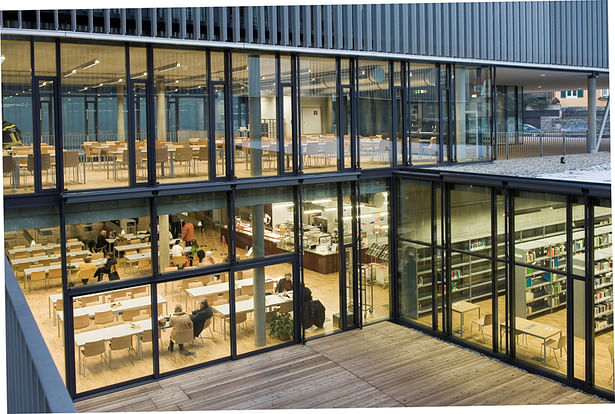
(131, 328)
(220, 287)
(127, 304)
(45, 247)
(248, 305)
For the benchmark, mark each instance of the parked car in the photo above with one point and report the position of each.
(575, 128)
(530, 128)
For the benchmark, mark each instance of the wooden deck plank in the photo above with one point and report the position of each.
(382, 365)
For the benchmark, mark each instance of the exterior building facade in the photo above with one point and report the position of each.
(206, 153)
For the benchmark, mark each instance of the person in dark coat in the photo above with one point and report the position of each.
(284, 285)
(200, 316)
(101, 241)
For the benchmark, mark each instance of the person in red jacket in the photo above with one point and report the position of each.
(188, 233)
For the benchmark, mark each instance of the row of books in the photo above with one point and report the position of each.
(603, 280)
(601, 294)
(603, 307)
(602, 266)
(601, 323)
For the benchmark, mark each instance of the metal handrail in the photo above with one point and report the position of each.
(33, 383)
(539, 144)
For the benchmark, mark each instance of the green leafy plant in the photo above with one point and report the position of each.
(282, 325)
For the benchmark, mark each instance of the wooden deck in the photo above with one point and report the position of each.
(383, 365)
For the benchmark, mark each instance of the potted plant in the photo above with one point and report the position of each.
(282, 326)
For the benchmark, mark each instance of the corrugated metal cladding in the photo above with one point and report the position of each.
(569, 33)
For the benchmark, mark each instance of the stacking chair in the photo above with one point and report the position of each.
(129, 314)
(143, 265)
(103, 318)
(242, 297)
(162, 156)
(241, 317)
(556, 345)
(89, 300)
(120, 295)
(247, 290)
(486, 320)
(270, 287)
(38, 276)
(612, 356)
(202, 155)
(91, 349)
(183, 337)
(139, 291)
(207, 325)
(146, 336)
(71, 160)
(81, 321)
(118, 344)
(183, 156)
(179, 261)
(55, 276)
(8, 167)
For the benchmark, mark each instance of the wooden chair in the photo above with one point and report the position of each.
(89, 300)
(118, 344)
(85, 274)
(81, 321)
(247, 290)
(120, 295)
(74, 248)
(486, 320)
(612, 356)
(37, 276)
(242, 297)
(285, 307)
(196, 284)
(129, 314)
(143, 265)
(103, 318)
(98, 255)
(184, 337)
(91, 349)
(146, 336)
(270, 287)
(241, 317)
(555, 345)
(139, 291)
(55, 275)
(178, 261)
(207, 325)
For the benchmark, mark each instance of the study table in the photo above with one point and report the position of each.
(535, 329)
(115, 307)
(248, 306)
(197, 292)
(462, 308)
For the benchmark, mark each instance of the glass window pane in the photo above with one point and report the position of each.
(192, 231)
(540, 318)
(471, 219)
(108, 241)
(182, 115)
(424, 113)
(264, 220)
(318, 110)
(473, 113)
(190, 322)
(94, 115)
(375, 107)
(255, 115)
(32, 245)
(415, 283)
(321, 257)
(415, 221)
(17, 113)
(603, 294)
(264, 307)
(375, 260)
(113, 336)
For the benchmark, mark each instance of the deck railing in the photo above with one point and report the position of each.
(33, 383)
(535, 144)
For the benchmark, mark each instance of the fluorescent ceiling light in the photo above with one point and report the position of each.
(89, 64)
(311, 211)
(71, 73)
(168, 67)
(324, 200)
(144, 74)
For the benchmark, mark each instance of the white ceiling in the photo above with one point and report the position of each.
(548, 80)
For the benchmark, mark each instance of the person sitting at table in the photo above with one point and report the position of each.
(101, 242)
(85, 268)
(179, 322)
(200, 316)
(107, 268)
(284, 285)
(177, 249)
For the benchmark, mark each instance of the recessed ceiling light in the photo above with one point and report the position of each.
(539, 86)
(543, 75)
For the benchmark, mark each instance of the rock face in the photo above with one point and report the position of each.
(579, 167)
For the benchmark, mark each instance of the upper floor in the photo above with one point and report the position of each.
(544, 33)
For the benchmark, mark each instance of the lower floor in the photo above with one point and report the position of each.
(340, 371)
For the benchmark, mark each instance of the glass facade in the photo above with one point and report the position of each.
(212, 161)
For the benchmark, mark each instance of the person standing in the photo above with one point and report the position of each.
(188, 233)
